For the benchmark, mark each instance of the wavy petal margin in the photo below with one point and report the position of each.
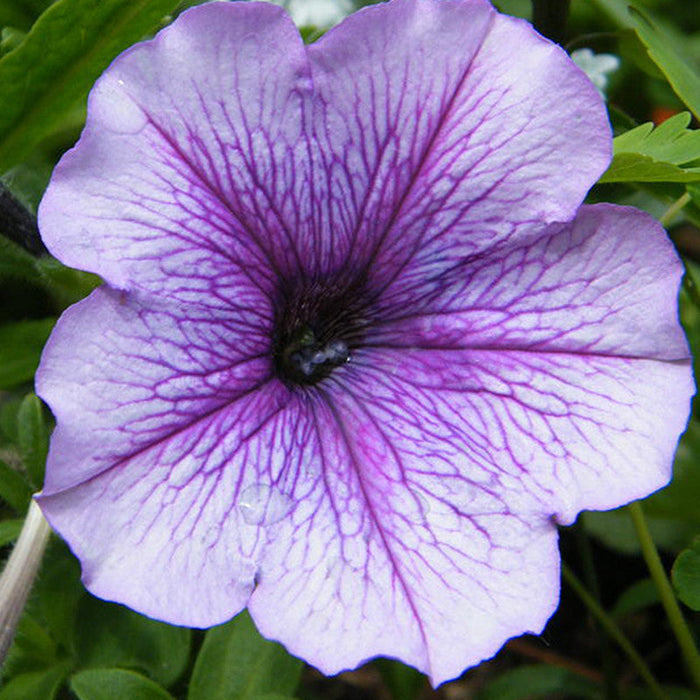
(407, 504)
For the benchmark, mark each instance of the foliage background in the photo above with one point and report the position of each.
(70, 644)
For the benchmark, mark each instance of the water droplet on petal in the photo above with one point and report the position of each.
(260, 504)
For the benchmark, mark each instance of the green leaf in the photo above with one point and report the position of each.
(615, 529)
(679, 500)
(671, 692)
(33, 648)
(115, 684)
(668, 153)
(682, 76)
(535, 682)
(66, 285)
(20, 13)
(10, 39)
(404, 682)
(14, 489)
(110, 635)
(28, 180)
(33, 437)
(57, 593)
(38, 87)
(20, 349)
(236, 663)
(9, 530)
(686, 575)
(9, 406)
(43, 684)
(15, 262)
(640, 594)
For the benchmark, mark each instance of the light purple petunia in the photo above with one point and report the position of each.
(347, 370)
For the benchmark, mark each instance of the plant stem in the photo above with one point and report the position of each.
(676, 207)
(19, 573)
(668, 598)
(615, 633)
(18, 224)
(591, 579)
(549, 18)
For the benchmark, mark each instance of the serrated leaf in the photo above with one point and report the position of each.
(20, 349)
(686, 575)
(236, 663)
(39, 87)
(14, 489)
(33, 437)
(112, 635)
(9, 530)
(536, 682)
(682, 76)
(115, 684)
(634, 167)
(668, 153)
(35, 685)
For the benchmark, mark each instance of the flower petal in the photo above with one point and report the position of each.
(555, 350)
(382, 558)
(190, 179)
(168, 465)
(604, 284)
(138, 373)
(435, 147)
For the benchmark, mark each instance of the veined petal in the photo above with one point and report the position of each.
(604, 284)
(346, 369)
(138, 374)
(387, 560)
(191, 178)
(172, 462)
(442, 148)
(551, 433)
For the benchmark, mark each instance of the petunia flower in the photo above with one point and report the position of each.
(358, 351)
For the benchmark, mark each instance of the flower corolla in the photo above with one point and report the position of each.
(358, 350)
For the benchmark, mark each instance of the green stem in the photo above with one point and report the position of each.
(671, 212)
(615, 633)
(668, 598)
(19, 574)
(591, 581)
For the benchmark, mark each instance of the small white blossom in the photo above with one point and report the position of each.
(316, 13)
(596, 66)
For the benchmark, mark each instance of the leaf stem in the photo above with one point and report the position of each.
(668, 598)
(591, 579)
(615, 633)
(19, 573)
(549, 18)
(676, 207)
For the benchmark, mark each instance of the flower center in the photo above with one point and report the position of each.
(305, 360)
(317, 328)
